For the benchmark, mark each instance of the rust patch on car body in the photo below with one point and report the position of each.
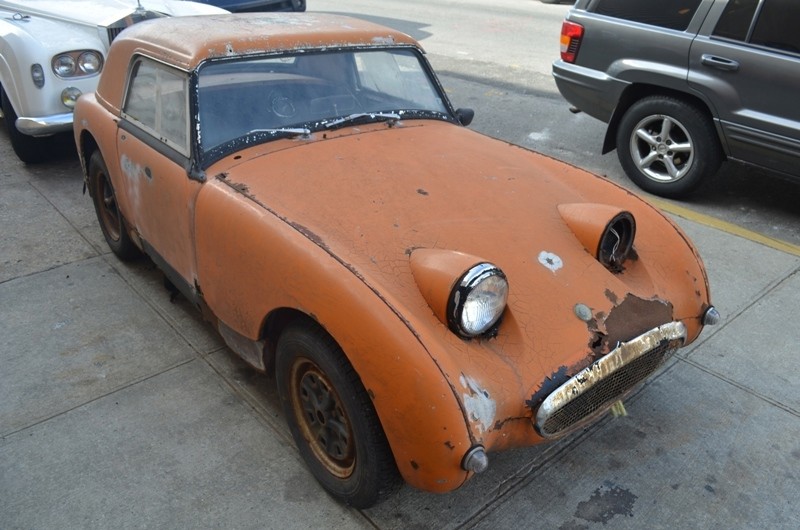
(626, 320)
(632, 317)
(550, 383)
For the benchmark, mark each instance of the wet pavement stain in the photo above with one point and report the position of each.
(606, 502)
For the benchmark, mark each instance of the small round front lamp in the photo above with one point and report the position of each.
(477, 301)
(69, 96)
(711, 317)
(475, 460)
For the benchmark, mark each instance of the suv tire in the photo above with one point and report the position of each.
(667, 146)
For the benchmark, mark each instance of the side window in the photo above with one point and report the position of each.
(671, 14)
(736, 19)
(157, 100)
(776, 26)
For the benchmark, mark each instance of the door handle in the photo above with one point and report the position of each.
(721, 63)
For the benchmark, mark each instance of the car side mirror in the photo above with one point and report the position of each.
(464, 116)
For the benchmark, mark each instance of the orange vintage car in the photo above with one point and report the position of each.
(424, 295)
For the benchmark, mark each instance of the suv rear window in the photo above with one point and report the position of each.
(671, 14)
(776, 25)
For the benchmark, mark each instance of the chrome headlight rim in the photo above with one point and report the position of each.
(470, 283)
(616, 241)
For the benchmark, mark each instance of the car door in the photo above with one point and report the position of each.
(746, 62)
(153, 148)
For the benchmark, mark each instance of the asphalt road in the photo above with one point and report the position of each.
(496, 58)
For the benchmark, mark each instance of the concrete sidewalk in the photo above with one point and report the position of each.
(119, 409)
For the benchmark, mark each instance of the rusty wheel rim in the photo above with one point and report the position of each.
(108, 207)
(322, 419)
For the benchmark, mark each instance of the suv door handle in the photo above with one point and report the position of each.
(720, 63)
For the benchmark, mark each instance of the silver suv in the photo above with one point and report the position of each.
(684, 84)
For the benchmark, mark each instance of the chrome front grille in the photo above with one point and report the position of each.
(594, 389)
(113, 32)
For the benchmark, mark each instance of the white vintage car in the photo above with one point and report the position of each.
(52, 51)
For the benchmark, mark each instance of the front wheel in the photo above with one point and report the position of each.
(667, 146)
(331, 417)
(298, 5)
(110, 218)
(29, 149)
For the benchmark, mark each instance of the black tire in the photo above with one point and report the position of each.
(29, 149)
(332, 419)
(298, 5)
(668, 146)
(113, 225)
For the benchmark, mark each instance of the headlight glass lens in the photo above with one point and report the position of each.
(64, 66)
(478, 300)
(90, 63)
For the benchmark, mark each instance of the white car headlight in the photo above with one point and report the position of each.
(79, 63)
(477, 301)
(64, 65)
(90, 62)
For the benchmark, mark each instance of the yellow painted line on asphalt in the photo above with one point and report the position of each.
(730, 228)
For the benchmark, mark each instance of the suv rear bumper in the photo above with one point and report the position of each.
(591, 91)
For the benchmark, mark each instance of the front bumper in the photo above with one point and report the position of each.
(593, 390)
(45, 125)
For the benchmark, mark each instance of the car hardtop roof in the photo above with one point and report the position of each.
(187, 41)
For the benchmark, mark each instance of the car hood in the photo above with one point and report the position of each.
(107, 12)
(372, 196)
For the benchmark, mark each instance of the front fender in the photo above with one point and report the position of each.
(250, 261)
(37, 40)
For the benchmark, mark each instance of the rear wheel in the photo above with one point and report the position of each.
(110, 218)
(298, 5)
(29, 149)
(332, 419)
(667, 146)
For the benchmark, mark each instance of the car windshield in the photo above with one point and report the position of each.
(255, 100)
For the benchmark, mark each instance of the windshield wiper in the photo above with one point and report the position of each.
(362, 117)
(288, 131)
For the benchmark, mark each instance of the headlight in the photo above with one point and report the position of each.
(606, 232)
(616, 241)
(64, 66)
(90, 63)
(477, 301)
(80, 63)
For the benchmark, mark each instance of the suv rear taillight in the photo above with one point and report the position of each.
(571, 35)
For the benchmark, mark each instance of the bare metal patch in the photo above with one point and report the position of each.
(550, 260)
(479, 405)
